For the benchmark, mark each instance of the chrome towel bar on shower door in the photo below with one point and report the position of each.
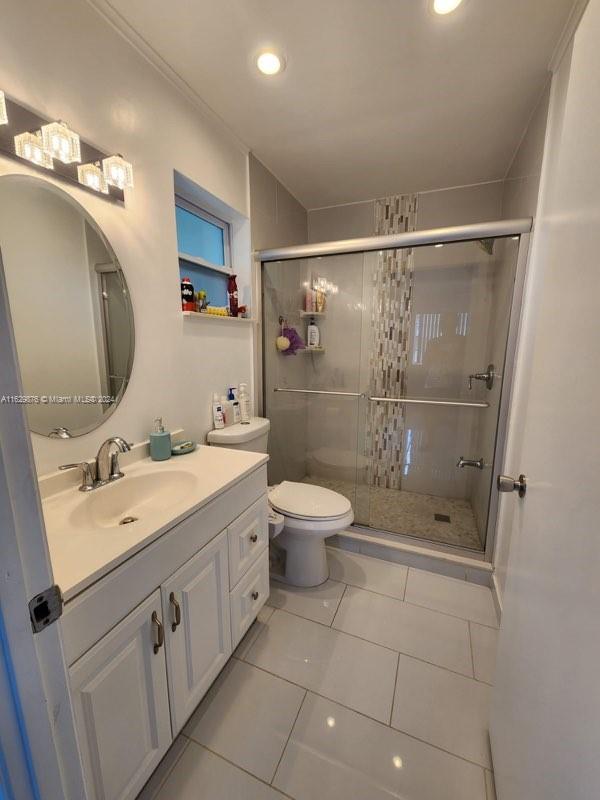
(399, 400)
(424, 401)
(319, 391)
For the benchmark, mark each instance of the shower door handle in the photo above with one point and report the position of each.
(507, 484)
(470, 462)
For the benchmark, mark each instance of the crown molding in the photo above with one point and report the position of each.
(132, 37)
(567, 34)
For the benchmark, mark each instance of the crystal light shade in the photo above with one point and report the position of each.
(3, 114)
(61, 142)
(31, 147)
(92, 176)
(118, 172)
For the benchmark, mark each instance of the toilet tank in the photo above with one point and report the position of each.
(253, 436)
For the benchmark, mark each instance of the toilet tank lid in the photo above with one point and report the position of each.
(238, 433)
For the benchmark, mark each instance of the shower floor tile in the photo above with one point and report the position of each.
(410, 513)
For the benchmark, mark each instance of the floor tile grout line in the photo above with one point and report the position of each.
(242, 769)
(383, 647)
(390, 597)
(339, 605)
(395, 687)
(408, 571)
(289, 736)
(471, 649)
(308, 690)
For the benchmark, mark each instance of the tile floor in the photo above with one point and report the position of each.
(410, 513)
(375, 685)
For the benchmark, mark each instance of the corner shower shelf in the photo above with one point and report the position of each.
(216, 317)
(312, 313)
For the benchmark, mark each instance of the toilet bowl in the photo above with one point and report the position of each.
(311, 514)
(304, 515)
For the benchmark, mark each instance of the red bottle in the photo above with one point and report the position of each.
(188, 301)
(232, 291)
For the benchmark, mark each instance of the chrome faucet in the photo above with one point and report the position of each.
(105, 468)
(470, 462)
(107, 463)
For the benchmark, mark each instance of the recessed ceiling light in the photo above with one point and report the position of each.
(445, 6)
(270, 63)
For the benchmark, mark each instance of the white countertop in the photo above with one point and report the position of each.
(85, 545)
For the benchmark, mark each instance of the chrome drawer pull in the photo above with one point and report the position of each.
(160, 632)
(255, 595)
(177, 610)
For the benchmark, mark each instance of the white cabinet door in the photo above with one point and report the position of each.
(198, 635)
(121, 703)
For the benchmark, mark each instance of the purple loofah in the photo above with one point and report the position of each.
(296, 342)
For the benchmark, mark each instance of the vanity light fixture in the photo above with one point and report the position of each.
(118, 172)
(30, 146)
(445, 6)
(269, 63)
(91, 175)
(61, 142)
(3, 114)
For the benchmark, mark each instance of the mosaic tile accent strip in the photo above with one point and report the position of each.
(388, 357)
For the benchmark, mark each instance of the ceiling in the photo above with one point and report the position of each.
(379, 96)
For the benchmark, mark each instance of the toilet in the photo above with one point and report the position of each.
(302, 515)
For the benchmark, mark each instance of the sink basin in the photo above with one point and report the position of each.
(133, 499)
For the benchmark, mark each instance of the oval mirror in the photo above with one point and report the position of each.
(70, 308)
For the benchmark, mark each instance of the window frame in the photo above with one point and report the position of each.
(225, 226)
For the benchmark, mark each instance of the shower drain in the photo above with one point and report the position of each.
(127, 520)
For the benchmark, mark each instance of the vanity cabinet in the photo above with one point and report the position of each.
(195, 603)
(135, 682)
(121, 705)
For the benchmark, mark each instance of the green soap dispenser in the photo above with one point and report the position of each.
(160, 442)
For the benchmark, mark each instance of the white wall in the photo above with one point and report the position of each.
(66, 61)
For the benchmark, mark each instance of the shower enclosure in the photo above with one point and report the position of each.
(402, 408)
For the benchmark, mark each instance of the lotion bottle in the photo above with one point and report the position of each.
(217, 408)
(244, 398)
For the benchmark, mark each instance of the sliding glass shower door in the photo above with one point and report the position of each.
(398, 407)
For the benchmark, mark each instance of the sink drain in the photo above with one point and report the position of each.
(128, 520)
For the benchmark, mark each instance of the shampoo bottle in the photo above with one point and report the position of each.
(160, 442)
(245, 410)
(313, 337)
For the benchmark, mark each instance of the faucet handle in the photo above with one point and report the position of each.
(87, 477)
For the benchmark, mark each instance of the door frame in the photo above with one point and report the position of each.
(35, 663)
(508, 376)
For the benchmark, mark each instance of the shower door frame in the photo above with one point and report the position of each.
(499, 229)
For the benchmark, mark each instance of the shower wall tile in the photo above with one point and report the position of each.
(388, 356)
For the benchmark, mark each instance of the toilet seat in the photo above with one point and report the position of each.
(303, 501)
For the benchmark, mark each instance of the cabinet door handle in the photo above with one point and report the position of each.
(254, 538)
(160, 632)
(176, 610)
(254, 595)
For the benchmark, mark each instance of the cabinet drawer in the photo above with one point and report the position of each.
(249, 596)
(248, 536)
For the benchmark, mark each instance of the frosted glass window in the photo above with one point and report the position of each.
(198, 236)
